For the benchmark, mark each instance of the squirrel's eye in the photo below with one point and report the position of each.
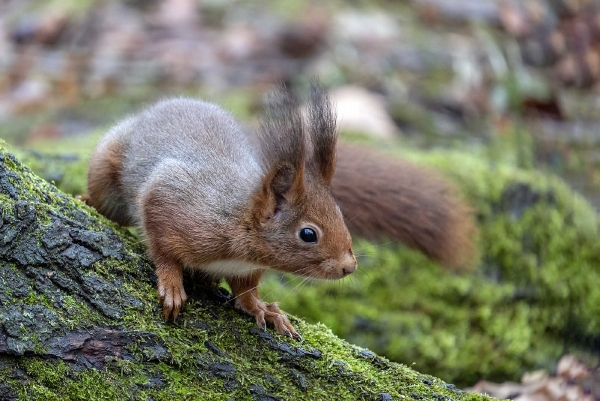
(308, 235)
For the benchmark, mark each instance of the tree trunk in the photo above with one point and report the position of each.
(79, 319)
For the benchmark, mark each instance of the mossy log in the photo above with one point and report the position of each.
(79, 319)
(533, 297)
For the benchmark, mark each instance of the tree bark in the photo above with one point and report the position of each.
(79, 319)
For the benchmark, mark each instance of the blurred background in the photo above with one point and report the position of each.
(501, 96)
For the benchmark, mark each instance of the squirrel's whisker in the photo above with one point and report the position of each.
(239, 295)
(355, 216)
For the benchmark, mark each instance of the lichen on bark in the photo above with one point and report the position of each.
(79, 319)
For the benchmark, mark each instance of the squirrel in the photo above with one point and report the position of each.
(385, 198)
(213, 197)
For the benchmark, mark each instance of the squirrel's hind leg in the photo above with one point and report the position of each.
(169, 273)
(164, 247)
(245, 291)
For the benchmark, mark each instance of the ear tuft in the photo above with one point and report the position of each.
(283, 145)
(282, 138)
(323, 132)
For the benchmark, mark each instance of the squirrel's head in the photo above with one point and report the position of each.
(297, 225)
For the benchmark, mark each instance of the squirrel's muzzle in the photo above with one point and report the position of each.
(347, 264)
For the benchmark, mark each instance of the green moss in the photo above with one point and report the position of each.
(57, 381)
(67, 171)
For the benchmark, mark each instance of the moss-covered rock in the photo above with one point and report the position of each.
(535, 295)
(79, 320)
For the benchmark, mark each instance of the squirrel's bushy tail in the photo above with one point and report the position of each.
(386, 198)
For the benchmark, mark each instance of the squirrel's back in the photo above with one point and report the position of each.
(201, 135)
(190, 140)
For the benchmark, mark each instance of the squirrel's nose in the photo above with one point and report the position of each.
(348, 264)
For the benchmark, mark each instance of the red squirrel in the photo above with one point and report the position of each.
(233, 203)
(209, 195)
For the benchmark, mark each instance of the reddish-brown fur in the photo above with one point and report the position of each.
(386, 198)
(172, 246)
(104, 179)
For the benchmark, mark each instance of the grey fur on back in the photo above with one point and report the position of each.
(196, 149)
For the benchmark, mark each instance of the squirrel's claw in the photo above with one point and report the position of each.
(260, 320)
(295, 335)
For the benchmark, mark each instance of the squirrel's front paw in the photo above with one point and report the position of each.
(271, 313)
(281, 322)
(171, 294)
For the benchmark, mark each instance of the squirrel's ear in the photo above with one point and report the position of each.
(283, 145)
(323, 132)
(284, 183)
